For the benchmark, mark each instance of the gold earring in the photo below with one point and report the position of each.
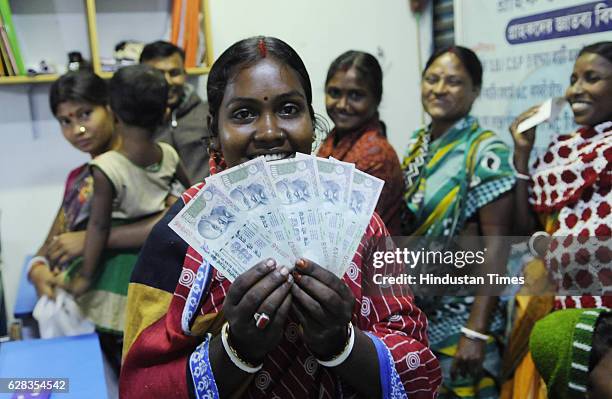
(315, 141)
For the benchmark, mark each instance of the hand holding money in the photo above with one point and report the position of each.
(262, 289)
(304, 207)
(323, 305)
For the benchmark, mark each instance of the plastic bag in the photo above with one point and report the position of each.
(60, 317)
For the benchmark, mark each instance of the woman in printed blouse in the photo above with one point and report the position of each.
(459, 181)
(192, 333)
(565, 193)
(353, 91)
(80, 103)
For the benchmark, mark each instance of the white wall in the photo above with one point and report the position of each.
(151, 19)
(35, 159)
(49, 29)
(321, 30)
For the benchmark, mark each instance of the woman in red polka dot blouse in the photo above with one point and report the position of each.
(566, 192)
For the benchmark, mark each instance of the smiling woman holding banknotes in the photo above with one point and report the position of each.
(565, 193)
(272, 333)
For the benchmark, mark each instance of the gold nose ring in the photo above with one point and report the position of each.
(82, 129)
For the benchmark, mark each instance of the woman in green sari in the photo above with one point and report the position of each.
(458, 182)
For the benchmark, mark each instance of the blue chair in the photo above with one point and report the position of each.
(24, 303)
(77, 359)
(26, 294)
(3, 326)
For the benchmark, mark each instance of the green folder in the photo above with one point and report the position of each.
(5, 12)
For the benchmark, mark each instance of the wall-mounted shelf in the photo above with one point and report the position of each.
(13, 80)
(202, 70)
(91, 17)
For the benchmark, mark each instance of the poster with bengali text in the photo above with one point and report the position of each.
(528, 48)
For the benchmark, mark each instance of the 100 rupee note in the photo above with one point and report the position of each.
(223, 235)
(297, 188)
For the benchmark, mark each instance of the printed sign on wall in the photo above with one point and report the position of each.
(528, 48)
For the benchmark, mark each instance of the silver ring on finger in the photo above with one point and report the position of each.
(261, 320)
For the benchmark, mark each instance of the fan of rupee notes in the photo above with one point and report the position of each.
(302, 207)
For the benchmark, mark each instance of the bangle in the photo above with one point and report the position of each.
(471, 334)
(342, 356)
(517, 174)
(522, 176)
(37, 260)
(532, 240)
(233, 355)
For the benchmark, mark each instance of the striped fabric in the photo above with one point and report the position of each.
(581, 350)
(447, 181)
(104, 304)
(467, 165)
(157, 349)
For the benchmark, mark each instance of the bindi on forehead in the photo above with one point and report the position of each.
(264, 81)
(67, 111)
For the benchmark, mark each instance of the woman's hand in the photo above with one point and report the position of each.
(468, 358)
(60, 280)
(265, 289)
(44, 280)
(523, 142)
(65, 247)
(79, 285)
(323, 305)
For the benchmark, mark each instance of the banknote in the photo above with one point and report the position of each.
(301, 155)
(365, 191)
(301, 207)
(224, 235)
(250, 187)
(297, 187)
(335, 178)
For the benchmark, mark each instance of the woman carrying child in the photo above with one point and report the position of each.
(80, 102)
(134, 180)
